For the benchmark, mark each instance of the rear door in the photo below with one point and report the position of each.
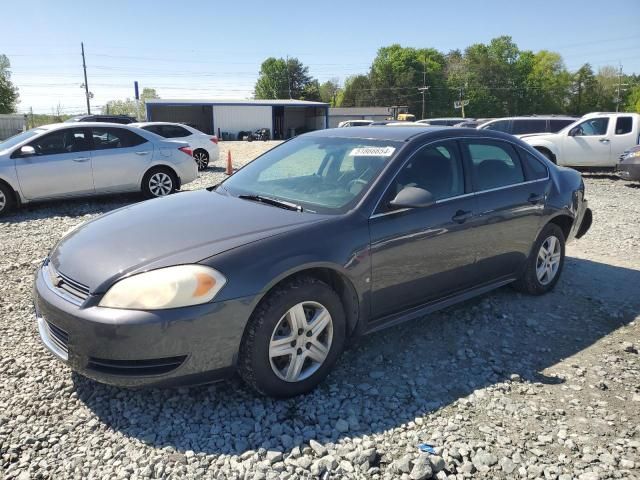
(623, 137)
(119, 157)
(509, 206)
(60, 167)
(588, 143)
(422, 254)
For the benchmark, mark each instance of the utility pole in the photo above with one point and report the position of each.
(288, 78)
(619, 86)
(86, 84)
(461, 100)
(424, 87)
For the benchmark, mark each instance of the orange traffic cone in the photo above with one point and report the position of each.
(229, 163)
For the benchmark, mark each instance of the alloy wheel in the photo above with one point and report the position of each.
(202, 159)
(301, 341)
(160, 184)
(548, 260)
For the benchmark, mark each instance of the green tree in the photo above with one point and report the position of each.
(278, 77)
(633, 100)
(129, 106)
(329, 91)
(8, 92)
(583, 91)
(357, 92)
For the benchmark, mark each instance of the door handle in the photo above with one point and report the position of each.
(81, 159)
(604, 140)
(142, 153)
(535, 198)
(462, 216)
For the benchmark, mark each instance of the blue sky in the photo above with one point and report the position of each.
(200, 49)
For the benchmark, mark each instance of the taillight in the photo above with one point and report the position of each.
(186, 150)
(214, 139)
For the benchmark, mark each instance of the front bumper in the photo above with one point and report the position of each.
(629, 171)
(141, 348)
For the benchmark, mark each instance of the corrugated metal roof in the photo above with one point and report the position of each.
(217, 101)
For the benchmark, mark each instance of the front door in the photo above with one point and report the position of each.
(425, 253)
(588, 143)
(61, 165)
(120, 157)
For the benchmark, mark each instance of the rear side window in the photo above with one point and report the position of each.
(623, 125)
(174, 131)
(557, 124)
(499, 126)
(108, 138)
(494, 164)
(535, 169)
(520, 127)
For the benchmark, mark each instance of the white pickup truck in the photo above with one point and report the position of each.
(596, 140)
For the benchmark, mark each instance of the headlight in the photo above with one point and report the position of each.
(170, 287)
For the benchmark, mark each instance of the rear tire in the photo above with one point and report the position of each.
(7, 201)
(159, 182)
(545, 262)
(202, 158)
(293, 338)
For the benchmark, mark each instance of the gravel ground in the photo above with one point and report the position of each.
(504, 386)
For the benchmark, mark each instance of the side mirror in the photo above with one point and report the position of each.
(27, 151)
(574, 131)
(413, 197)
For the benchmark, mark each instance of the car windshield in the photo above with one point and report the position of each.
(20, 137)
(320, 174)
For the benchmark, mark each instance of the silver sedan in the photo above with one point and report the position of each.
(63, 160)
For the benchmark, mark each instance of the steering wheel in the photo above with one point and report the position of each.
(356, 181)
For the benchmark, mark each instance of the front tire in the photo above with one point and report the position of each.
(293, 339)
(159, 182)
(202, 158)
(545, 263)
(6, 199)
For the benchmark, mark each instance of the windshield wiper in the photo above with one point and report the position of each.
(272, 201)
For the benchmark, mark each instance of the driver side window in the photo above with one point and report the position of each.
(591, 127)
(436, 168)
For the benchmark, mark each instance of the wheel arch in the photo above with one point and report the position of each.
(547, 152)
(161, 166)
(14, 191)
(565, 222)
(333, 277)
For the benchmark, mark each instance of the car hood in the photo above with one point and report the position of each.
(538, 136)
(183, 228)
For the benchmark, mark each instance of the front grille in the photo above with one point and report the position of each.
(58, 336)
(67, 286)
(135, 368)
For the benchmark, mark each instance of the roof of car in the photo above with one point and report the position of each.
(378, 132)
(55, 126)
(144, 124)
(535, 117)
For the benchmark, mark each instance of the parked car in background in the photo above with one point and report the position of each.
(205, 147)
(331, 235)
(448, 122)
(629, 166)
(355, 123)
(467, 124)
(527, 125)
(595, 140)
(64, 160)
(123, 119)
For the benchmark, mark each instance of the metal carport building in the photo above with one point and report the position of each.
(227, 118)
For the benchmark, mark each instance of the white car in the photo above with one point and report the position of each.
(71, 160)
(205, 147)
(446, 122)
(355, 123)
(595, 140)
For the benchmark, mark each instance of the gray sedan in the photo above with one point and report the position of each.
(70, 160)
(331, 235)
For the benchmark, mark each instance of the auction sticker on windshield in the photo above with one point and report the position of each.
(372, 152)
